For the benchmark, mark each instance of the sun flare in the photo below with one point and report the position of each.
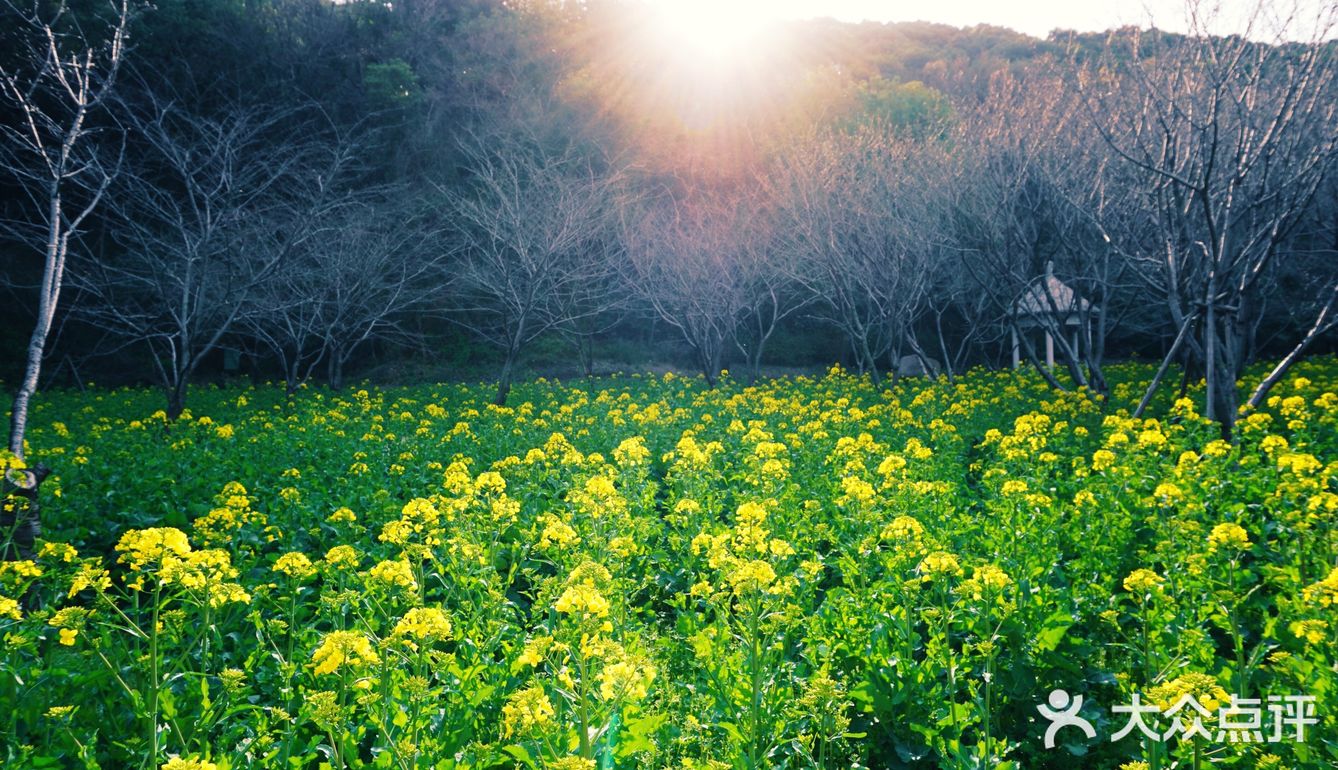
(696, 82)
(715, 31)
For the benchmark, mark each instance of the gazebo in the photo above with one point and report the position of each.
(1053, 306)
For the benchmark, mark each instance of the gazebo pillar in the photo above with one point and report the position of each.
(1057, 310)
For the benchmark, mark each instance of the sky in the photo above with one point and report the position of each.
(1039, 17)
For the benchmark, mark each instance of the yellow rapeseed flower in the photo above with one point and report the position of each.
(1167, 492)
(342, 515)
(1313, 631)
(490, 482)
(526, 712)
(1201, 687)
(750, 514)
(902, 528)
(992, 577)
(91, 574)
(58, 552)
(175, 762)
(340, 648)
(749, 576)
(145, 548)
(343, 557)
(1141, 581)
(625, 680)
(1325, 592)
(856, 489)
(424, 624)
(1228, 536)
(534, 651)
(1102, 459)
(397, 532)
(584, 600)
(295, 565)
(20, 570)
(556, 532)
(939, 564)
(420, 509)
(395, 573)
(631, 452)
(986, 580)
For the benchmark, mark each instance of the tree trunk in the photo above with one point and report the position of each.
(52, 276)
(1214, 353)
(176, 400)
(1188, 365)
(943, 350)
(894, 364)
(1221, 374)
(710, 367)
(1165, 364)
(504, 380)
(585, 347)
(1325, 321)
(20, 518)
(755, 364)
(1049, 376)
(1096, 378)
(1072, 358)
(930, 367)
(18, 418)
(334, 367)
(870, 363)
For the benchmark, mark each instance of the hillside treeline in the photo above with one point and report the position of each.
(310, 191)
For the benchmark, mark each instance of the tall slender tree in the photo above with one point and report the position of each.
(63, 77)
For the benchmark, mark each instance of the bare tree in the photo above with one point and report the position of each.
(766, 268)
(955, 306)
(1231, 140)
(1029, 211)
(371, 258)
(63, 77)
(686, 262)
(1326, 319)
(597, 306)
(531, 222)
(211, 207)
(849, 204)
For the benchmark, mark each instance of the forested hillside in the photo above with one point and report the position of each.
(307, 191)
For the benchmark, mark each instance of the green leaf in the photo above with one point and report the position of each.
(520, 753)
(637, 732)
(1052, 631)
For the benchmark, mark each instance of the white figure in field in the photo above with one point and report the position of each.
(1063, 712)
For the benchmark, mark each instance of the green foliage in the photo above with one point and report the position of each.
(640, 572)
(390, 84)
(913, 108)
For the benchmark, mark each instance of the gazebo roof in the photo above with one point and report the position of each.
(1062, 299)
